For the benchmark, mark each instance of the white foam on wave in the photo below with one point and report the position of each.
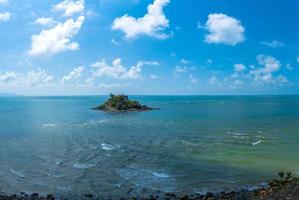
(108, 147)
(189, 143)
(48, 125)
(147, 178)
(161, 175)
(92, 122)
(256, 143)
(18, 173)
(83, 165)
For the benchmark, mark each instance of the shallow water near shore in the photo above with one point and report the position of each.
(193, 144)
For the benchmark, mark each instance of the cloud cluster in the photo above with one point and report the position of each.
(270, 65)
(224, 29)
(56, 39)
(32, 78)
(59, 38)
(153, 23)
(118, 71)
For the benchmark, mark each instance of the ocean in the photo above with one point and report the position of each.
(192, 144)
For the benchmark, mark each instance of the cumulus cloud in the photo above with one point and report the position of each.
(74, 75)
(5, 16)
(224, 29)
(118, 71)
(272, 44)
(8, 77)
(45, 21)
(32, 78)
(70, 7)
(152, 24)
(56, 39)
(270, 65)
(239, 67)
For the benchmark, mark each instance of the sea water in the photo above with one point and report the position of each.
(192, 144)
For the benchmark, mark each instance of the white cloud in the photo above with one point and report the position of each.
(151, 24)
(239, 67)
(270, 65)
(8, 77)
(209, 61)
(213, 80)
(113, 85)
(153, 76)
(179, 69)
(115, 42)
(118, 71)
(70, 7)
(298, 59)
(184, 61)
(192, 79)
(3, 2)
(45, 21)
(56, 39)
(224, 29)
(272, 44)
(32, 78)
(289, 66)
(73, 75)
(5, 16)
(37, 77)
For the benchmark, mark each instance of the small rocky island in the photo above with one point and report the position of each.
(121, 103)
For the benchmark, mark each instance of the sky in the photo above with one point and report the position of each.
(149, 47)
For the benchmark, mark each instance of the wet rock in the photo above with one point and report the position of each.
(34, 195)
(88, 195)
(185, 197)
(50, 197)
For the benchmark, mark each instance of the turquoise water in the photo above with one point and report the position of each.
(192, 144)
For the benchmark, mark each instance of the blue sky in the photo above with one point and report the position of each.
(80, 47)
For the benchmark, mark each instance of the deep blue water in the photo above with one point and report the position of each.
(192, 144)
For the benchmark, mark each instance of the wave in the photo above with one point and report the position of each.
(147, 178)
(109, 147)
(18, 173)
(83, 165)
(48, 125)
(256, 143)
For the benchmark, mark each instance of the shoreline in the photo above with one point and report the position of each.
(286, 187)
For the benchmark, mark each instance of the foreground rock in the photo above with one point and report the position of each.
(284, 188)
(121, 103)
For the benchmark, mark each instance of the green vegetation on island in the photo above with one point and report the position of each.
(121, 103)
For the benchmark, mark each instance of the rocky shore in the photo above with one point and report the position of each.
(121, 103)
(284, 188)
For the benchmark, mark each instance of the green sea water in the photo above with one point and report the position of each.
(193, 144)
